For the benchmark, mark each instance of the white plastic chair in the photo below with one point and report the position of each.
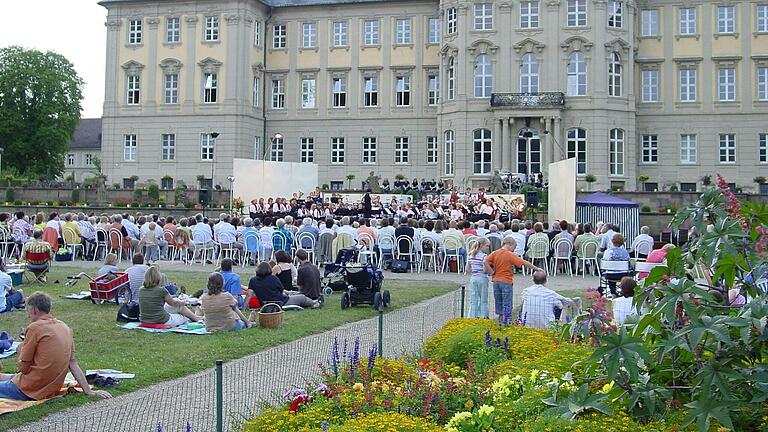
(404, 250)
(306, 241)
(280, 244)
(538, 249)
(365, 245)
(589, 251)
(642, 247)
(428, 250)
(562, 250)
(171, 240)
(116, 243)
(386, 247)
(453, 250)
(102, 241)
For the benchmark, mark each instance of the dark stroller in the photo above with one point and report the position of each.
(334, 273)
(364, 287)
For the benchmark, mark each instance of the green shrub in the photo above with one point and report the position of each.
(153, 192)
(10, 195)
(138, 195)
(75, 195)
(645, 208)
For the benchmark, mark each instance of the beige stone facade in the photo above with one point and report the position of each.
(450, 89)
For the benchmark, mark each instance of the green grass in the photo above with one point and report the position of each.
(160, 357)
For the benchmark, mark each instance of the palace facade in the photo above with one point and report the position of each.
(449, 89)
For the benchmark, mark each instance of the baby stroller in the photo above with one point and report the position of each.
(334, 273)
(364, 287)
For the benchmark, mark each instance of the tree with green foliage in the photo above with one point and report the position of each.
(40, 95)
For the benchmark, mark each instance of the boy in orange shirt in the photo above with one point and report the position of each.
(502, 264)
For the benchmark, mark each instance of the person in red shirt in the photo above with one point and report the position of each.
(502, 263)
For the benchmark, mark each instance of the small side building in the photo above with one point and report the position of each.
(84, 147)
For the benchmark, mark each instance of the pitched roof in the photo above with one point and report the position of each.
(87, 135)
(286, 3)
(603, 199)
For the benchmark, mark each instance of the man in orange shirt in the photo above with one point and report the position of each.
(502, 264)
(45, 357)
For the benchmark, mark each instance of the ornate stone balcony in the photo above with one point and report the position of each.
(528, 100)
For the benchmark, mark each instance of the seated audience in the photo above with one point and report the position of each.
(157, 306)
(645, 239)
(623, 306)
(136, 274)
(541, 305)
(221, 308)
(616, 252)
(284, 269)
(10, 298)
(268, 289)
(307, 276)
(232, 283)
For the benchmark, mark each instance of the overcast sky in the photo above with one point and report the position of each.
(73, 28)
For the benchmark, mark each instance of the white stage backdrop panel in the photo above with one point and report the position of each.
(562, 190)
(264, 179)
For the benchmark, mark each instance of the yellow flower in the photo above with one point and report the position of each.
(485, 410)
(358, 387)
(608, 387)
(459, 417)
(469, 404)
(384, 387)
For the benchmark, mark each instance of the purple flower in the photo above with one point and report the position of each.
(159, 427)
(354, 358)
(344, 351)
(372, 358)
(507, 314)
(188, 428)
(335, 358)
(324, 425)
(322, 388)
(498, 342)
(488, 338)
(506, 343)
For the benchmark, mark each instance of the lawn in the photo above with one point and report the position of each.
(160, 357)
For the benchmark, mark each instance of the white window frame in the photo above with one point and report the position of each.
(451, 21)
(529, 73)
(687, 21)
(483, 16)
(168, 147)
(762, 147)
(649, 149)
(212, 29)
(207, 143)
(256, 91)
(171, 88)
(402, 150)
(257, 33)
(615, 75)
(688, 149)
(403, 31)
(258, 154)
(762, 83)
(726, 19)
(88, 159)
(687, 82)
(482, 142)
(576, 13)
(616, 150)
(340, 34)
(433, 90)
(576, 142)
(133, 90)
(650, 85)
(529, 14)
(276, 149)
(279, 36)
(451, 78)
(761, 18)
(649, 23)
(726, 84)
(306, 150)
(308, 35)
(371, 36)
(403, 90)
(432, 152)
(135, 32)
(483, 76)
(449, 142)
(339, 92)
(370, 151)
(130, 148)
(370, 91)
(210, 88)
(338, 150)
(434, 31)
(615, 14)
(308, 93)
(172, 30)
(577, 74)
(727, 148)
(70, 159)
(278, 93)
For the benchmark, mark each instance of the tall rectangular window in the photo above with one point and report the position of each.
(308, 92)
(650, 149)
(761, 18)
(173, 30)
(403, 31)
(726, 84)
(726, 19)
(369, 150)
(338, 145)
(70, 159)
(309, 35)
(88, 159)
(616, 140)
(451, 78)
(278, 94)
(130, 148)
(276, 150)
(210, 87)
(371, 32)
(649, 23)
(451, 21)
(307, 150)
(577, 148)
(577, 74)
(403, 90)
(577, 13)
(762, 147)
(279, 36)
(687, 84)
(340, 34)
(762, 83)
(688, 149)
(211, 29)
(339, 92)
(448, 153)
(401, 150)
(168, 150)
(206, 146)
(134, 32)
(133, 96)
(435, 32)
(615, 14)
(258, 154)
(687, 21)
(257, 33)
(650, 85)
(483, 16)
(481, 151)
(529, 14)
(256, 91)
(727, 148)
(172, 88)
(431, 150)
(433, 90)
(370, 91)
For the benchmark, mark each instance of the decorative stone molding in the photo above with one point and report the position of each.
(113, 24)
(232, 19)
(599, 4)
(170, 65)
(133, 68)
(553, 5)
(505, 5)
(617, 45)
(576, 43)
(209, 65)
(482, 46)
(192, 20)
(528, 45)
(249, 20)
(257, 68)
(760, 60)
(153, 22)
(687, 62)
(449, 51)
(726, 60)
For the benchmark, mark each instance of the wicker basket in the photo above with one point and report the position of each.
(271, 315)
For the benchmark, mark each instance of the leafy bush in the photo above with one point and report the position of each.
(645, 208)
(10, 195)
(75, 195)
(153, 192)
(138, 195)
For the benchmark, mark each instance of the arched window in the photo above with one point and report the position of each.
(529, 74)
(577, 74)
(451, 79)
(481, 151)
(577, 148)
(614, 75)
(616, 139)
(483, 76)
(449, 152)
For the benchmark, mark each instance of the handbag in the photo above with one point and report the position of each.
(128, 312)
(399, 266)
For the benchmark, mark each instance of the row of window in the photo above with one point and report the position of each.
(687, 24)
(689, 148)
(211, 30)
(167, 147)
(369, 147)
(71, 159)
(210, 90)
(688, 82)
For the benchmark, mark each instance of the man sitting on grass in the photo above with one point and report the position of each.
(46, 354)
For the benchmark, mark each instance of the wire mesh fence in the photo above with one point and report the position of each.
(190, 403)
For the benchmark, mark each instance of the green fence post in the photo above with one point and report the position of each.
(219, 397)
(461, 308)
(381, 332)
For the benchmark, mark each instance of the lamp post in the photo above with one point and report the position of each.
(231, 192)
(273, 139)
(214, 135)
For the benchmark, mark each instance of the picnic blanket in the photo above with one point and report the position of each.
(10, 405)
(189, 328)
(10, 351)
(82, 295)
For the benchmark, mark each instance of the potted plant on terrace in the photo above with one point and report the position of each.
(590, 179)
(350, 177)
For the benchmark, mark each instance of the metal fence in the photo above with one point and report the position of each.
(246, 384)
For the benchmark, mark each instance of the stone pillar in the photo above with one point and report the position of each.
(502, 144)
(190, 95)
(496, 143)
(113, 69)
(548, 144)
(559, 136)
(150, 97)
(511, 153)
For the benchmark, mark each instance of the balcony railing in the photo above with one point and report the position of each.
(528, 100)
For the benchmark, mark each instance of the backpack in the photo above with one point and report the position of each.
(128, 312)
(399, 266)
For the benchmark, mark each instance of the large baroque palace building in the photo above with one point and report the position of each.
(448, 89)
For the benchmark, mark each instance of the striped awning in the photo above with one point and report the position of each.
(627, 218)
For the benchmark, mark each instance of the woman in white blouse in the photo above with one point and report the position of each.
(623, 306)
